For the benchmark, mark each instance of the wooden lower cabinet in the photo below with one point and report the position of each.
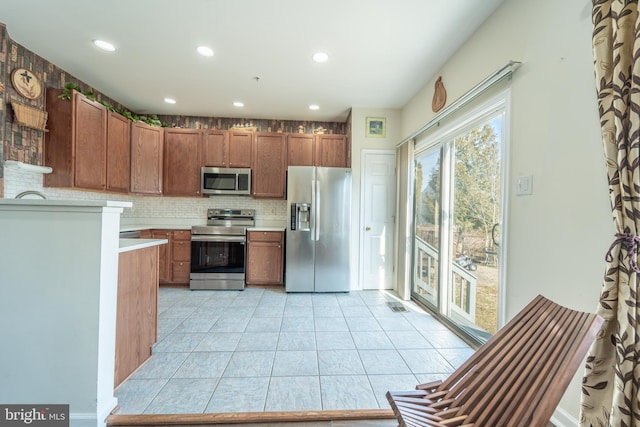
(137, 310)
(265, 257)
(181, 257)
(175, 257)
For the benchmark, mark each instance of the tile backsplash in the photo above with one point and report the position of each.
(151, 210)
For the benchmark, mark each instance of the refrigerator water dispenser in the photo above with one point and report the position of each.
(301, 216)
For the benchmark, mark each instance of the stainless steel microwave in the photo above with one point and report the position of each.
(226, 181)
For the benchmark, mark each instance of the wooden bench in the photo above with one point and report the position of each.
(515, 379)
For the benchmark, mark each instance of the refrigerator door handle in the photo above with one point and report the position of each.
(317, 209)
(313, 220)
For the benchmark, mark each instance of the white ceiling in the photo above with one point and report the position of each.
(381, 52)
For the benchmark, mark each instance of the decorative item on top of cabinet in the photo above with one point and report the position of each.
(76, 144)
(182, 162)
(265, 257)
(118, 152)
(240, 146)
(269, 167)
(301, 149)
(332, 151)
(146, 158)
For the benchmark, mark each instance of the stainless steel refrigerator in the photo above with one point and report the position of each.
(318, 233)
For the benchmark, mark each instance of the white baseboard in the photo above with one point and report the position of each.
(90, 419)
(82, 419)
(561, 418)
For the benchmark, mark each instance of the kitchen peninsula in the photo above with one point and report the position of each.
(58, 293)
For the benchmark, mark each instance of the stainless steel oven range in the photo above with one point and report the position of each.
(218, 255)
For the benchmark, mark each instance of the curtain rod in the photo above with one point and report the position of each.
(505, 71)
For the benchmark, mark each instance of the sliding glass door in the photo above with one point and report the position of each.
(427, 227)
(457, 217)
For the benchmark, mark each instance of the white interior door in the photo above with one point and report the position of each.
(377, 206)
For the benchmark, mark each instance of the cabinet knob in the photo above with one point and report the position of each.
(367, 228)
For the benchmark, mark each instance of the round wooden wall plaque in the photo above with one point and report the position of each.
(439, 96)
(26, 83)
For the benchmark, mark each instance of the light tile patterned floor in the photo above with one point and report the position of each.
(266, 350)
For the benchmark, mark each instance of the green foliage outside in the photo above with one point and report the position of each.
(477, 183)
(476, 191)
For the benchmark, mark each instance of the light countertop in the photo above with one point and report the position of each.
(266, 228)
(60, 205)
(133, 244)
(139, 227)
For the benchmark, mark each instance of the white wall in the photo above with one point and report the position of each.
(558, 236)
(360, 142)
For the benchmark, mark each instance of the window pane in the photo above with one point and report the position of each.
(427, 226)
(476, 215)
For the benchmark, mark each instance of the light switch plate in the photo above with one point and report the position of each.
(524, 186)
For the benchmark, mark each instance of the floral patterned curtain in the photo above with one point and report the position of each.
(612, 376)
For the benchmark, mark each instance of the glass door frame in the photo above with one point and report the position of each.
(442, 140)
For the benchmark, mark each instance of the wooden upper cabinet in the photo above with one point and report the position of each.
(300, 149)
(215, 148)
(269, 165)
(146, 158)
(118, 152)
(76, 144)
(91, 144)
(332, 151)
(182, 162)
(240, 146)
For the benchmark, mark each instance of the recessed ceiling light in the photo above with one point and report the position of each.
(104, 45)
(170, 100)
(320, 57)
(238, 104)
(314, 107)
(205, 51)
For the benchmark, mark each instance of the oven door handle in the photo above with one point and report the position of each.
(212, 238)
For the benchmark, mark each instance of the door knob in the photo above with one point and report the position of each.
(367, 228)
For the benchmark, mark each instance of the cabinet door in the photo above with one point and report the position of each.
(181, 272)
(269, 165)
(332, 151)
(164, 255)
(300, 149)
(240, 146)
(118, 152)
(181, 250)
(146, 158)
(265, 258)
(182, 162)
(90, 144)
(215, 148)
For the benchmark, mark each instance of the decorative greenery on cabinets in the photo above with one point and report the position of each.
(150, 120)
